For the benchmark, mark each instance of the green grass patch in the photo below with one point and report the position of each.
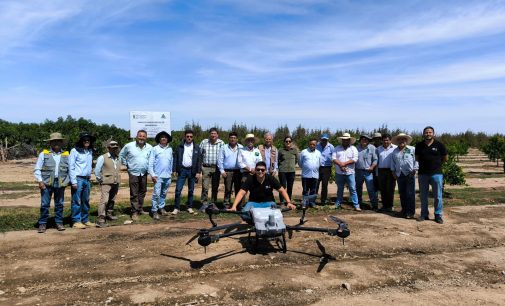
(11, 186)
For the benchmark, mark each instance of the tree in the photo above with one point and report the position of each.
(494, 148)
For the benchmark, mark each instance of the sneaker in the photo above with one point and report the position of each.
(439, 219)
(101, 223)
(175, 211)
(42, 228)
(60, 227)
(357, 208)
(79, 225)
(155, 215)
(163, 212)
(421, 218)
(144, 212)
(89, 223)
(191, 211)
(409, 216)
(111, 217)
(135, 216)
(202, 209)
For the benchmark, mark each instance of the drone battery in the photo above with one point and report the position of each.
(268, 222)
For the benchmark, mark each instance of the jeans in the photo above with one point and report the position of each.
(160, 193)
(287, 180)
(407, 190)
(212, 176)
(309, 186)
(184, 175)
(364, 176)
(138, 189)
(387, 186)
(80, 201)
(436, 182)
(341, 179)
(324, 178)
(45, 201)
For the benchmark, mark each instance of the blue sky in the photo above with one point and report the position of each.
(337, 64)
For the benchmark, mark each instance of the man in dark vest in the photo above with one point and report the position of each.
(269, 154)
(51, 172)
(108, 174)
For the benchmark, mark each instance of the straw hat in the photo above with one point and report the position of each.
(347, 136)
(251, 136)
(377, 135)
(401, 135)
(55, 136)
(112, 144)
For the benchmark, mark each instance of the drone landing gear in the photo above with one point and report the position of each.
(280, 241)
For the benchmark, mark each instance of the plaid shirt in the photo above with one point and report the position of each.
(210, 151)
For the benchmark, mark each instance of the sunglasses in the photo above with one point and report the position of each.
(189, 136)
(287, 141)
(261, 169)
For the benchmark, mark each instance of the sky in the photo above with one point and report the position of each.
(337, 64)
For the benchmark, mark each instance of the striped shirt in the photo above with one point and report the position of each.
(210, 151)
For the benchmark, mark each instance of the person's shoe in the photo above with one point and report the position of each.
(79, 225)
(409, 216)
(155, 216)
(144, 212)
(60, 227)
(101, 223)
(89, 223)
(191, 211)
(439, 219)
(357, 209)
(111, 217)
(135, 216)
(421, 218)
(386, 209)
(338, 206)
(163, 212)
(202, 208)
(42, 228)
(175, 211)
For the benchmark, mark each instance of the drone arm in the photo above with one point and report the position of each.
(208, 239)
(330, 231)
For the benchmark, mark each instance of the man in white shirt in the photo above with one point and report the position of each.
(309, 161)
(387, 182)
(249, 156)
(344, 157)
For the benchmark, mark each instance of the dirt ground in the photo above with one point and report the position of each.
(385, 261)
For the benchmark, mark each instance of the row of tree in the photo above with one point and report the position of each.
(494, 148)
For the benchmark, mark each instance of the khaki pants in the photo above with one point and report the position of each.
(233, 180)
(107, 201)
(210, 176)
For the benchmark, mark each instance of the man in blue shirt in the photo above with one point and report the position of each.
(326, 164)
(79, 164)
(227, 163)
(135, 155)
(365, 167)
(160, 169)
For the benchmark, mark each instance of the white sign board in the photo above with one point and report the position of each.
(152, 122)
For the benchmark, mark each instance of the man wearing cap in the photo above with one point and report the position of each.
(326, 150)
(386, 180)
(309, 161)
(404, 167)
(248, 156)
(108, 174)
(135, 155)
(51, 173)
(80, 163)
(160, 170)
(377, 142)
(431, 154)
(269, 154)
(210, 173)
(365, 166)
(227, 163)
(187, 166)
(344, 157)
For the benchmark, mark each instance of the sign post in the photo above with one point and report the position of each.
(151, 122)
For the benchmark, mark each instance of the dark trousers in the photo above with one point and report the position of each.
(387, 186)
(287, 179)
(138, 189)
(233, 180)
(407, 190)
(309, 186)
(324, 178)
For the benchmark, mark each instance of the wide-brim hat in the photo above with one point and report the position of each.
(162, 133)
(86, 134)
(365, 136)
(347, 136)
(55, 136)
(394, 140)
(251, 136)
(377, 135)
(112, 144)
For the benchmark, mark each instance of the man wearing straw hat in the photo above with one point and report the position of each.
(161, 161)
(51, 173)
(404, 167)
(344, 157)
(248, 156)
(108, 174)
(365, 167)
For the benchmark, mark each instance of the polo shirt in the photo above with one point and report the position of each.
(261, 192)
(430, 157)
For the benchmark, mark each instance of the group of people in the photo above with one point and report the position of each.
(380, 161)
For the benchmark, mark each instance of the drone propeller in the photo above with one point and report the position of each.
(201, 232)
(325, 258)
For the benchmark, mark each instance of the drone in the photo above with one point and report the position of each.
(264, 223)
